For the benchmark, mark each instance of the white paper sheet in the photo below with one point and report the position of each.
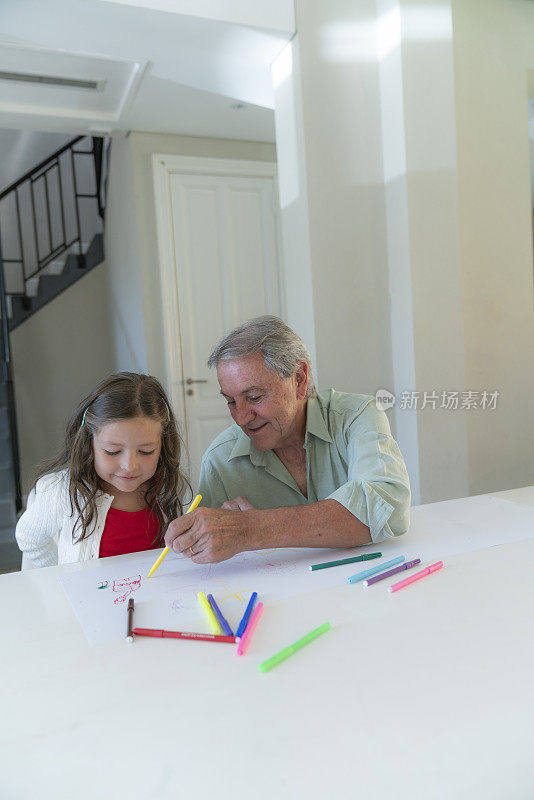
(443, 529)
(168, 599)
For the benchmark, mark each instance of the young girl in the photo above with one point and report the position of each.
(115, 485)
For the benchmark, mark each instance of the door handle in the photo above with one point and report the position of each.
(189, 381)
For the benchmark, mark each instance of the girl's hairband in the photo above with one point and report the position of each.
(84, 413)
(92, 401)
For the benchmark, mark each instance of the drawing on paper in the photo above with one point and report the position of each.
(205, 572)
(233, 590)
(125, 586)
(183, 600)
(276, 568)
(172, 598)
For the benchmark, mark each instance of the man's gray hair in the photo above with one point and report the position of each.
(279, 345)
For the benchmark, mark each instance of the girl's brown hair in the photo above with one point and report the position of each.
(122, 396)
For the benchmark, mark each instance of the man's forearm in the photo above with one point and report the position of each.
(323, 524)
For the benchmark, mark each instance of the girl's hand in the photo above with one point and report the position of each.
(210, 535)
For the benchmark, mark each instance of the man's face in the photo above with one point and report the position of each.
(269, 409)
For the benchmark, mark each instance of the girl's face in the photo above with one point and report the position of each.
(126, 452)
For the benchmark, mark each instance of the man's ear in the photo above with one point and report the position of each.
(301, 375)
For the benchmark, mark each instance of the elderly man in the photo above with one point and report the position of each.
(297, 468)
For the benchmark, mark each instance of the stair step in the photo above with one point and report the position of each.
(7, 534)
(9, 308)
(4, 422)
(7, 482)
(95, 251)
(10, 555)
(53, 268)
(52, 285)
(8, 514)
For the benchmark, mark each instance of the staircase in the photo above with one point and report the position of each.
(51, 235)
(10, 556)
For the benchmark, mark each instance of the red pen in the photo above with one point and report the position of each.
(201, 637)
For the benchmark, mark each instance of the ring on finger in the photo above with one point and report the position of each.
(192, 551)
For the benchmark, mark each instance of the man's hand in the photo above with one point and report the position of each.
(208, 535)
(237, 504)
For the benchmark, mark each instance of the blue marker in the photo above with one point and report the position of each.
(217, 611)
(248, 611)
(367, 572)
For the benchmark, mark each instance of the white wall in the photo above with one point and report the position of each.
(131, 240)
(59, 354)
(122, 243)
(404, 162)
(334, 221)
(493, 54)
(293, 190)
(22, 150)
(347, 220)
(421, 184)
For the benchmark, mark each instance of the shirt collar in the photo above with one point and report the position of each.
(244, 447)
(315, 424)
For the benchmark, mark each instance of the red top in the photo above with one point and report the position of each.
(128, 532)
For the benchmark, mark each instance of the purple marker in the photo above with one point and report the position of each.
(407, 565)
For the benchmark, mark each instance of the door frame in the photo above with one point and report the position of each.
(164, 166)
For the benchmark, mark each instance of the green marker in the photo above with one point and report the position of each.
(365, 557)
(288, 651)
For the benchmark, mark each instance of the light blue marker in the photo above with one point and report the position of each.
(367, 572)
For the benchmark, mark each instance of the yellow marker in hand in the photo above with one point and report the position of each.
(192, 507)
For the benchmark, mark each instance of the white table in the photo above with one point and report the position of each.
(427, 693)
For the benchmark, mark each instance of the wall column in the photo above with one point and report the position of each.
(364, 107)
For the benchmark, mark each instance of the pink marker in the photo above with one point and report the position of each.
(418, 575)
(249, 630)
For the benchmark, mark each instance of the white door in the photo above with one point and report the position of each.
(226, 262)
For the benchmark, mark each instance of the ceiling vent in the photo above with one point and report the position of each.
(52, 80)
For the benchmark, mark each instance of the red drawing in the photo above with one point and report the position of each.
(126, 586)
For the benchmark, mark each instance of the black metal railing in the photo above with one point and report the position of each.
(51, 240)
(40, 220)
(7, 379)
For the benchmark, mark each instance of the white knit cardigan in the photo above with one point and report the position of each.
(44, 531)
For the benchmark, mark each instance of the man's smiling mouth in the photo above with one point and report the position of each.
(255, 430)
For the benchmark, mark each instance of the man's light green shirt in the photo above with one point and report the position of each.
(351, 457)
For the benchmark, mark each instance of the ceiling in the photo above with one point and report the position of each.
(204, 71)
